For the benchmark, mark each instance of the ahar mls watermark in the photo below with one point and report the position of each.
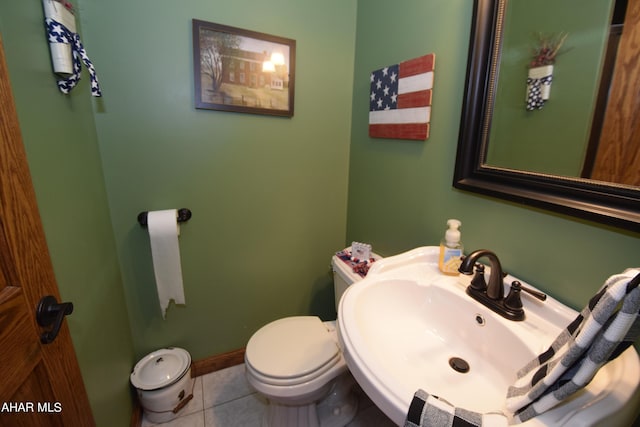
(35, 407)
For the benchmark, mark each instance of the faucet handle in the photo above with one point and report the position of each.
(537, 294)
(478, 283)
(513, 301)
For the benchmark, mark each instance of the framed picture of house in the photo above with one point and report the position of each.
(242, 70)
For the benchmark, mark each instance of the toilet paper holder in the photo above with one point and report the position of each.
(184, 214)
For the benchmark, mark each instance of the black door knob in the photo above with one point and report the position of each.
(50, 312)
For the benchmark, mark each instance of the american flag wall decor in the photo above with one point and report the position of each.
(400, 99)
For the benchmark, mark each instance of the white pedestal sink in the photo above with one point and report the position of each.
(407, 326)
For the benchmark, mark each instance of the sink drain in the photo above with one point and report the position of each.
(459, 365)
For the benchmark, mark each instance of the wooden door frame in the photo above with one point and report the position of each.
(33, 264)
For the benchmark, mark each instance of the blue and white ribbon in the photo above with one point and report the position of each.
(535, 100)
(58, 33)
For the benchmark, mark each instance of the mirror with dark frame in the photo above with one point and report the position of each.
(576, 152)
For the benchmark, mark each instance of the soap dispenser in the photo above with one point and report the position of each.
(451, 249)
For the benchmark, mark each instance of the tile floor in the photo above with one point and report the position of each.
(225, 399)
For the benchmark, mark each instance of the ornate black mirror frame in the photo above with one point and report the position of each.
(597, 201)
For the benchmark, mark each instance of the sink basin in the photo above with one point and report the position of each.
(406, 327)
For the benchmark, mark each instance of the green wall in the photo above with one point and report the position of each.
(62, 148)
(554, 139)
(268, 194)
(400, 193)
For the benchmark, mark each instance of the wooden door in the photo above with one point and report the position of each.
(40, 384)
(618, 158)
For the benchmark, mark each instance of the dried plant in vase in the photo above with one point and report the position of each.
(67, 4)
(547, 48)
(541, 69)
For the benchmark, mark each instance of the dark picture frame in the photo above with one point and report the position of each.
(606, 203)
(243, 71)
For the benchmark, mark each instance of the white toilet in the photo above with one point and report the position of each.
(297, 364)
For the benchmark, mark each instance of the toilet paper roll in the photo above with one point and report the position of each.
(163, 233)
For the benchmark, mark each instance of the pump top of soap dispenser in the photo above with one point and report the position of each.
(452, 235)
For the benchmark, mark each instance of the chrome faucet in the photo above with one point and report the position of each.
(491, 295)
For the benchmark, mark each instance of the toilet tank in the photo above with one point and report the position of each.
(343, 274)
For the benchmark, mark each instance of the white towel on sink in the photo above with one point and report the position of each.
(606, 327)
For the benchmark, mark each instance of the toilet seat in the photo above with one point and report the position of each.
(291, 351)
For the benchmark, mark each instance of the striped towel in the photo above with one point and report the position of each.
(431, 411)
(606, 327)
